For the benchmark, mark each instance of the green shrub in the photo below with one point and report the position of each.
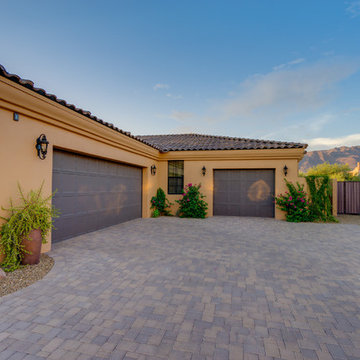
(160, 203)
(35, 212)
(156, 213)
(320, 196)
(315, 206)
(192, 204)
(341, 172)
(294, 203)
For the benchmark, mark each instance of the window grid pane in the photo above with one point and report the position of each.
(175, 176)
(176, 168)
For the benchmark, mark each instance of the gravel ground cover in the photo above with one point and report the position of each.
(25, 276)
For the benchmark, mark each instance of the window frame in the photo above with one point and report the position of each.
(181, 178)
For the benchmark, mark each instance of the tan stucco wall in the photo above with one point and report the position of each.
(64, 129)
(232, 159)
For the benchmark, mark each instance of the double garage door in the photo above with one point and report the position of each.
(93, 193)
(244, 192)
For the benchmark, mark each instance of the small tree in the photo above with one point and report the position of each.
(160, 204)
(192, 204)
(340, 172)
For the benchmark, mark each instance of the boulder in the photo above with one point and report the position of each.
(2, 274)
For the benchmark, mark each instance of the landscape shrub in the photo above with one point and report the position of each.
(192, 204)
(34, 212)
(314, 206)
(156, 213)
(294, 203)
(340, 172)
(320, 196)
(160, 204)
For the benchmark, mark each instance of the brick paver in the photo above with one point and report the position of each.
(169, 288)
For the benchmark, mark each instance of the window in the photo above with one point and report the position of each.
(175, 176)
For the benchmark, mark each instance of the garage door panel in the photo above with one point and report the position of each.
(93, 193)
(233, 209)
(131, 197)
(64, 182)
(67, 225)
(86, 202)
(66, 204)
(244, 192)
(234, 197)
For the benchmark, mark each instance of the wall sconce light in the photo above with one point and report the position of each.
(203, 171)
(153, 170)
(285, 170)
(41, 146)
(16, 116)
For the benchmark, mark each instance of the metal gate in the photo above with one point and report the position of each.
(93, 193)
(348, 197)
(244, 192)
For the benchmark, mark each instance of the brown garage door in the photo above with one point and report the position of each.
(244, 192)
(93, 193)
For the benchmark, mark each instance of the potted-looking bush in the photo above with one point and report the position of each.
(26, 229)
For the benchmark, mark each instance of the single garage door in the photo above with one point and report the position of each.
(244, 192)
(93, 193)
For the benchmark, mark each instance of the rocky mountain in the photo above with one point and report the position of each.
(344, 155)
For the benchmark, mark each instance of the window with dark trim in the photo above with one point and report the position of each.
(175, 176)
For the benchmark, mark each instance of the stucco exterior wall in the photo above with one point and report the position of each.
(193, 173)
(64, 129)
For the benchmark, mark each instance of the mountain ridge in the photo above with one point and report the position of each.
(343, 155)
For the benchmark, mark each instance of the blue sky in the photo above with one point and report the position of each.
(272, 69)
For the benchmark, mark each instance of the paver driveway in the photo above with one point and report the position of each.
(172, 288)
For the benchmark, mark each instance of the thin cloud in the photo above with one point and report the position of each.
(160, 86)
(353, 10)
(293, 62)
(308, 127)
(286, 92)
(317, 124)
(328, 142)
(184, 130)
(175, 97)
(181, 115)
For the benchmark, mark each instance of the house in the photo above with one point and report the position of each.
(356, 170)
(103, 175)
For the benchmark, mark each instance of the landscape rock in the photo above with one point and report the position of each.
(2, 274)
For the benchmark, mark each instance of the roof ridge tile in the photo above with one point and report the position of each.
(191, 141)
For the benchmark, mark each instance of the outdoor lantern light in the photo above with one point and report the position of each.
(203, 170)
(41, 146)
(16, 116)
(153, 170)
(285, 170)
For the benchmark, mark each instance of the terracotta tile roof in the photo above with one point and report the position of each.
(30, 85)
(183, 142)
